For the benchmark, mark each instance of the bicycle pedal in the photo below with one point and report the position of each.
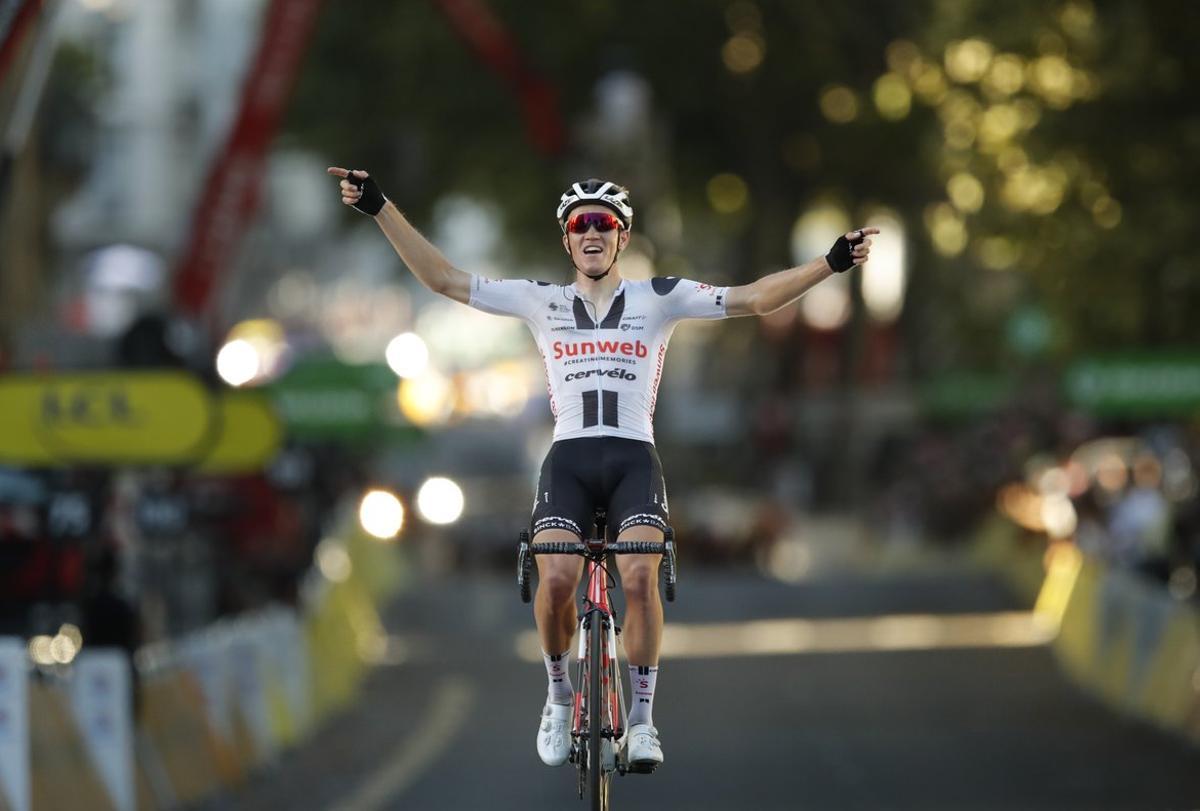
(644, 767)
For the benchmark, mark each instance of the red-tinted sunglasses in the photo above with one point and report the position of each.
(603, 222)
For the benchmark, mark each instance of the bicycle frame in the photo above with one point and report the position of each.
(599, 609)
(594, 735)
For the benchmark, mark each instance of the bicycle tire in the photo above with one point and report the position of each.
(598, 788)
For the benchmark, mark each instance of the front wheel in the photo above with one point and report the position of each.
(597, 776)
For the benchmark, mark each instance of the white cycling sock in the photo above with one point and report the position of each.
(642, 678)
(557, 668)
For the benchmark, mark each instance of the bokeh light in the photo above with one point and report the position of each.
(903, 56)
(40, 650)
(827, 306)
(407, 355)
(500, 390)
(253, 352)
(333, 560)
(1051, 78)
(238, 362)
(999, 123)
(1006, 75)
(965, 192)
(839, 104)
(885, 275)
(743, 52)
(440, 501)
(930, 85)
(946, 228)
(427, 399)
(968, 60)
(892, 96)
(727, 193)
(997, 252)
(381, 514)
(63, 649)
(1106, 212)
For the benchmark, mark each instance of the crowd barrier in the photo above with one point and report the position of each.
(209, 709)
(1122, 637)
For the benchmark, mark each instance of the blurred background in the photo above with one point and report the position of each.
(242, 448)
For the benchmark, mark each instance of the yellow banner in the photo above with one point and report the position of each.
(249, 436)
(104, 418)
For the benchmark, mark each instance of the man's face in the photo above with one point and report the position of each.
(593, 252)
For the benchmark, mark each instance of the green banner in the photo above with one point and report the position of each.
(1149, 385)
(325, 399)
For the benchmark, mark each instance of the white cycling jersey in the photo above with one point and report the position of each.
(603, 372)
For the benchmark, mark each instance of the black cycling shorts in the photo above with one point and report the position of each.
(622, 476)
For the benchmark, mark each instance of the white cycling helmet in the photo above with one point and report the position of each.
(600, 192)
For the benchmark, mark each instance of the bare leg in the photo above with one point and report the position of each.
(643, 624)
(554, 605)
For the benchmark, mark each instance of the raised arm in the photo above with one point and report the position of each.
(426, 262)
(770, 293)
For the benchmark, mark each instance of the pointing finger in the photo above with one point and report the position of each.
(337, 170)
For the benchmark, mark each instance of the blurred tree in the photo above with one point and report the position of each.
(1043, 155)
(733, 85)
(1065, 142)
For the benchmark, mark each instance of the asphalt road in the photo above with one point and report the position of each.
(874, 723)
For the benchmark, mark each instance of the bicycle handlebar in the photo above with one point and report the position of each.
(577, 548)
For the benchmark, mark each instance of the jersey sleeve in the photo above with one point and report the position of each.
(684, 298)
(515, 297)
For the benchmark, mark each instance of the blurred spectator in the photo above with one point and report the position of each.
(1141, 520)
(110, 619)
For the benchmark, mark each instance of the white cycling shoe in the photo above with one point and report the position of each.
(643, 752)
(554, 738)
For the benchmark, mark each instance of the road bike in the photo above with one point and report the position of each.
(599, 717)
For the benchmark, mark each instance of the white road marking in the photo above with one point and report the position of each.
(850, 635)
(449, 710)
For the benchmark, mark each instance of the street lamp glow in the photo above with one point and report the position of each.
(238, 362)
(63, 649)
(40, 650)
(427, 399)
(885, 276)
(816, 229)
(407, 355)
(827, 306)
(381, 514)
(440, 501)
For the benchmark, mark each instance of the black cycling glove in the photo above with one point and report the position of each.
(839, 257)
(372, 199)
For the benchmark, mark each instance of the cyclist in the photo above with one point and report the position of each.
(602, 339)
